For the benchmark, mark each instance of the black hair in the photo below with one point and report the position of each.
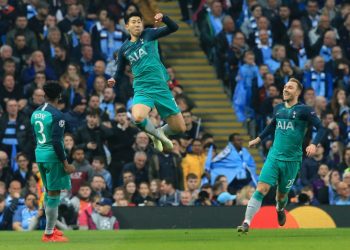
(52, 90)
(231, 136)
(169, 181)
(20, 33)
(112, 17)
(191, 176)
(99, 158)
(93, 112)
(134, 14)
(121, 110)
(28, 194)
(76, 148)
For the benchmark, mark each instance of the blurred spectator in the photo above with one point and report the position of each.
(6, 213)
(171, 196)
(284, 73)
(8, 15)
(346, 177)
(102, 218)
(138, 167)
(10, 90)
(8, 67)
(310, 97)
(107, 104)
(119, 194)
(37, 64)
(5, 169)
(345, 164)
(310, 166)
(15, 135)
(69, 144)
(155, 189)
(325, 49)
(167, 165)
(82, 202)
(87, 60)
(38, 83)
(281, 24)
(193, 129)
(244, 195)
(99, 70)
(131, 193)
(83, 170)
(23, 172)
(321, 179)
(54, 38)
(110, 39)
(37, 99)
(194, 162)
(338, 103)
(311, 17)
(209, 26)
(98, 165)
(250, 25)
(23, 217)
(74, 37)
(73, 12)
(144, 198)
(343, 191)
(186, 199)
(92, 135)
(226, 199)
(61, 60)
(22, 26)
(248, 80)
(263, 50)
(235, 163)
(298, 50)
(317, 78)
(21, 51)
(328, 194)
(192, 184)
(223, 40)
(203, 199)
(99, 186)
(309, 198)
(278, 55)
(37, 22)
(336, 153)
(120, 142)
(76, 116)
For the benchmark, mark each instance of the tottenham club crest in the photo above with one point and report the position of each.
(61, 123)
(294, 114)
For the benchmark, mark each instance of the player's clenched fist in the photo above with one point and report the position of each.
(311, 150)
(158, 18)
(254, 142)
(68, 168)
(110, 82)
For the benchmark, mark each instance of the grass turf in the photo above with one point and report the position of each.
(192, 239)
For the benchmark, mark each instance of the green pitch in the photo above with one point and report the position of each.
(193, 239)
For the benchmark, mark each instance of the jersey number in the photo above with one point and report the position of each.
(290, 183)
(41, 132)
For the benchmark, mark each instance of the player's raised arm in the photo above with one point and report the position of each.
(121, 63)
(170, 27)
(268, 130)
(321, 131)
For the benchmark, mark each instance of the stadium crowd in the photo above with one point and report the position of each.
(75, 42)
